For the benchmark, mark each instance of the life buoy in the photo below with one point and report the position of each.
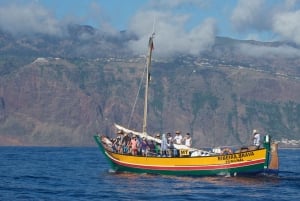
(226, 151)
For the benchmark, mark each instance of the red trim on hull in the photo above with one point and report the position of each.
(189, 168)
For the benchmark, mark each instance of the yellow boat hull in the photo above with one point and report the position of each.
(249, 162)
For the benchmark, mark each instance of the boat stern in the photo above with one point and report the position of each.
(272, 162)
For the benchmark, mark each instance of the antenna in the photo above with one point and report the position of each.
(153, 28)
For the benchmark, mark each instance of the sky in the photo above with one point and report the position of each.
(179, 25)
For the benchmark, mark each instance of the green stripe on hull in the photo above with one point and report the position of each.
(253, 169)
(96, 138)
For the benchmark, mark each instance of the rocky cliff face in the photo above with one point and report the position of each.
(59, 102)
(219, 97)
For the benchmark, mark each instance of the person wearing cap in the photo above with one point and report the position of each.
(178, 138)
(188, 140)
(256, 138)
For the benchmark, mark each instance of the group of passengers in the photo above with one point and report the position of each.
(128, 143)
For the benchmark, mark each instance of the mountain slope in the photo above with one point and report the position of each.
(62, 99)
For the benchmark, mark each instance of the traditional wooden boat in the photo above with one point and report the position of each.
(190, 161)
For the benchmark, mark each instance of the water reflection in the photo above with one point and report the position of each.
(178, 182)
(158, 187)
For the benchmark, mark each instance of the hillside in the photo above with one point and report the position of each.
(52, 93)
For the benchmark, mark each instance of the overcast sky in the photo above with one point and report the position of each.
(180, 25)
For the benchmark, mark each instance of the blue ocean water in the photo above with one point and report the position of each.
(39, 173)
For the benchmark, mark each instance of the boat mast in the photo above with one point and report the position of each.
(149, 55)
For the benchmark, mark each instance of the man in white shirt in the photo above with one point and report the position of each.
(178, 138)
(256, 138)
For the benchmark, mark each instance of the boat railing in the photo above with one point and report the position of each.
(174, 152)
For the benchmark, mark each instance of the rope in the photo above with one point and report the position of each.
(136, 98)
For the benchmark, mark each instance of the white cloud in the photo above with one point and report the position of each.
(29, 18)
(249, 15)
(282, 51)
(258, 17)
(97, 15)
(287, 25)
(175, 27)
(171, 35)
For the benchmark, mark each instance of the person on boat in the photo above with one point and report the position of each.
(139, 145)
(169, 138)
(164, 145)
(119, 140)
(188, 140)
(125, 143)
(116, 144)
(133, 144)
(151, 148)
(157, 146)
(173, 150)
(256, 138)
(170, 144)
(144, 147)
(178, 138)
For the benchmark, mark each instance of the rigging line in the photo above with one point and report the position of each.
(137, 95)
(153, 27)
